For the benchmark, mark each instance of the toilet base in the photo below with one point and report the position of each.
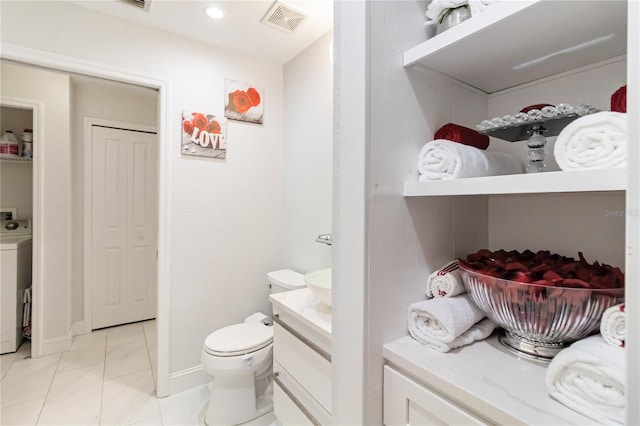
(234, 402)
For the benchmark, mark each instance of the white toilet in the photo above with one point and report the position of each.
(240, 358)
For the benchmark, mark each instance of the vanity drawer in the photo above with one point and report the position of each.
(309, 367)
(292, 405)
(407, 402)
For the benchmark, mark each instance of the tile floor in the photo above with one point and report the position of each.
(107, 378)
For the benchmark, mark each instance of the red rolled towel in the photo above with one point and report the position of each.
(463, 135)
(619, 100)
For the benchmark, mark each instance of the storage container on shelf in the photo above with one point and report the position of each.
(27, 143)
(9, 144)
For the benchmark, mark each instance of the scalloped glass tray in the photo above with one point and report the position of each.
(518, 127)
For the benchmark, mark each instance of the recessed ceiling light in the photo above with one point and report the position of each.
(214, 13)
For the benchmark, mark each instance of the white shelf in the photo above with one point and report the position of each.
(565, 181)
(14, 159)
(558, 36)
(486, 378)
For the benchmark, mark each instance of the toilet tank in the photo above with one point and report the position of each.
(284, 280)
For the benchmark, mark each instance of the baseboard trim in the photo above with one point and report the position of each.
(56, 345)
(78, 328)
(187, 379)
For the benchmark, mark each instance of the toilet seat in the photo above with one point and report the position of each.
(238, 339)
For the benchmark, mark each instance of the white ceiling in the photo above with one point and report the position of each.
(240, 30)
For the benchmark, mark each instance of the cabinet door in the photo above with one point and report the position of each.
(407, 402)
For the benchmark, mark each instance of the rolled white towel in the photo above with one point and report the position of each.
(596, 141)
(613, 326)
(445, 323)
(589, 377)
(445, 282)
(442, 159)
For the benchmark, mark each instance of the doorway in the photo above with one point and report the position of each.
(160, 86)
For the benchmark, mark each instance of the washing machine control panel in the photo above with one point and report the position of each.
(15, 227)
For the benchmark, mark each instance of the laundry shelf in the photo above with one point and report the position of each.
(548, 182)
(14, 159)
(513, 43)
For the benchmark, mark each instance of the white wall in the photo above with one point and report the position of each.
(225, 229)
(108, 101)
(308, 139)
(16, 179)
(52, 89)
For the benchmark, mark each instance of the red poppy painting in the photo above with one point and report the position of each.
(243, 102)
(204, 135)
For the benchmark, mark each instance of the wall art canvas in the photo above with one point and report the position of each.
(243, 102)
(204, 135)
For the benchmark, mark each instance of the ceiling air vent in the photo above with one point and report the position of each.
(140, 4)
(283, 17)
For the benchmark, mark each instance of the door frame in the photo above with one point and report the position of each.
(37, 109)
(30, 56)
(87, 242)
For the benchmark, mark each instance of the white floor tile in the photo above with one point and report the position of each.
(89, 417)
(74, 391)
(28, 379)
(150, 335)
(5, 362)
(86, 350)
(184, 408)
(126, 358)
(123, 334)
(24, 413)
(155, 421)
(127, 400)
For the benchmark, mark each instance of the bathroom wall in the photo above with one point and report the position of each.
(308, 139)
(225, 217)
(108, 101)
(52, 90)
(16, 179)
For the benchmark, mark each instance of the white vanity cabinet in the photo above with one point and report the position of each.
(302, 359)
(514, 54)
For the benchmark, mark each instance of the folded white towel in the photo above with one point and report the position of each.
(445, 282)
(439, 322)
(443, 159)
(589, 377)
(436, 7)
(613, 326)
(596, 141)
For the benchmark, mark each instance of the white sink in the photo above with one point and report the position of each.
(319, 282)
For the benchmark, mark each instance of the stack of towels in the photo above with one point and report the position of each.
(459, 152)
(449, 319)
(589, 376)
(595, 141)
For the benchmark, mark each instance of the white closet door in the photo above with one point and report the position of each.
(124, 226)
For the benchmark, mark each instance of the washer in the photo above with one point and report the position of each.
(15, 276)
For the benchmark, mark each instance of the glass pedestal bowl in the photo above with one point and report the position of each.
(539, 320)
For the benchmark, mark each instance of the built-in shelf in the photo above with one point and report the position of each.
(516, 42)
(14, 159)
(549, 182)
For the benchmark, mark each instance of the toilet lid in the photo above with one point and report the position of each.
(239, 339)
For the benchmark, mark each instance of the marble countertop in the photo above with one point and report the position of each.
(306, 308)
(487, 379)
